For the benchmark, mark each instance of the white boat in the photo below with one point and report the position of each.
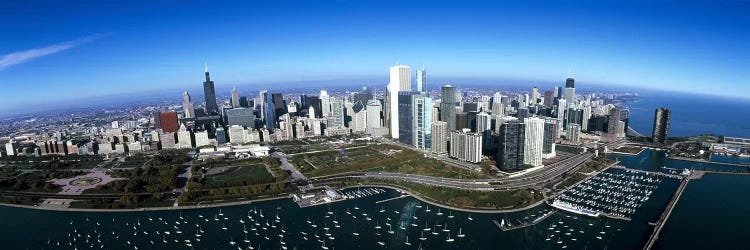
(460, 234)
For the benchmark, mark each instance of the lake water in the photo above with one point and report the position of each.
(692, 114)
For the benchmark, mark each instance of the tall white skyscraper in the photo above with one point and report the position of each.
(422, 107)
(235, 98)
(401, 76)
(373, 115)
(400, 81)
(325, 103)
(262, 101)
(534, 96)
(484, 122)
(586, 116)
(533, 141)
(422, 80)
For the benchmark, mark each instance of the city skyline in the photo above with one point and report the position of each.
(132, 55)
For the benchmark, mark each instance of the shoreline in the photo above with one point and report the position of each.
(145, 209)
(468, 210)
(237, 203)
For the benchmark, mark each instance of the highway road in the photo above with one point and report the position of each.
(532, 179)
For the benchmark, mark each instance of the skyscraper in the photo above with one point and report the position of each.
(534, 96)
(325, 103)
(549, 98)
(210, 93)
(336, 118)
(533, 141)
(510, 154)
(187, 106)
(401, 76)
(570, 89)
(270, 110)
(662, 116)
(359, 118)
(262, 103)
(422, 106)
(278, 102)
(374, 120)
(448, 106)
(422, 80)
(235, 98)
(405, 112)
(400, 80)
(484, 122)
(439, 137)
(550, 135)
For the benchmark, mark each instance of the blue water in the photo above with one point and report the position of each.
(692, 114)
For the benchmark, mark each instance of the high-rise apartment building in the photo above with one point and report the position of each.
(533, 141)
(662, 117)
(510, 153)
(439, 137)
(550, 136)
(466, 146)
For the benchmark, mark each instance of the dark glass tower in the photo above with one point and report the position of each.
(510, 149)
(570, 83)
(661, 125)
(210, 93)
(448, 106)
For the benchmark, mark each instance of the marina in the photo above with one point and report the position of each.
(615, 193)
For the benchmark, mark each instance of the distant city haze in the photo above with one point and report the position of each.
(52, 53)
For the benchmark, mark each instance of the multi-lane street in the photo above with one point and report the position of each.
(536, 178)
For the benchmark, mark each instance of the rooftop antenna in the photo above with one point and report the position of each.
(570, 73)
(206, 67)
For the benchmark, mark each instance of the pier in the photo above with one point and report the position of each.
(525, 224)
(649, 172)
(659, 224)
(394, 198)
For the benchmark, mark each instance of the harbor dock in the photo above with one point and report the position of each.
(538, 220)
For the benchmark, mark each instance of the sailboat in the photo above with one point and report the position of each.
(449, 239)
(422, 236)
(407, 241)
(460, 234)
(470, 217)
(450, 215)
(355, 230)
(439, 213)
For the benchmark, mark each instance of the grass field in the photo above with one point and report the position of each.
(377, 158)
(240, 176)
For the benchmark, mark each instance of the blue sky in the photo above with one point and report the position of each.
(59, 50)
